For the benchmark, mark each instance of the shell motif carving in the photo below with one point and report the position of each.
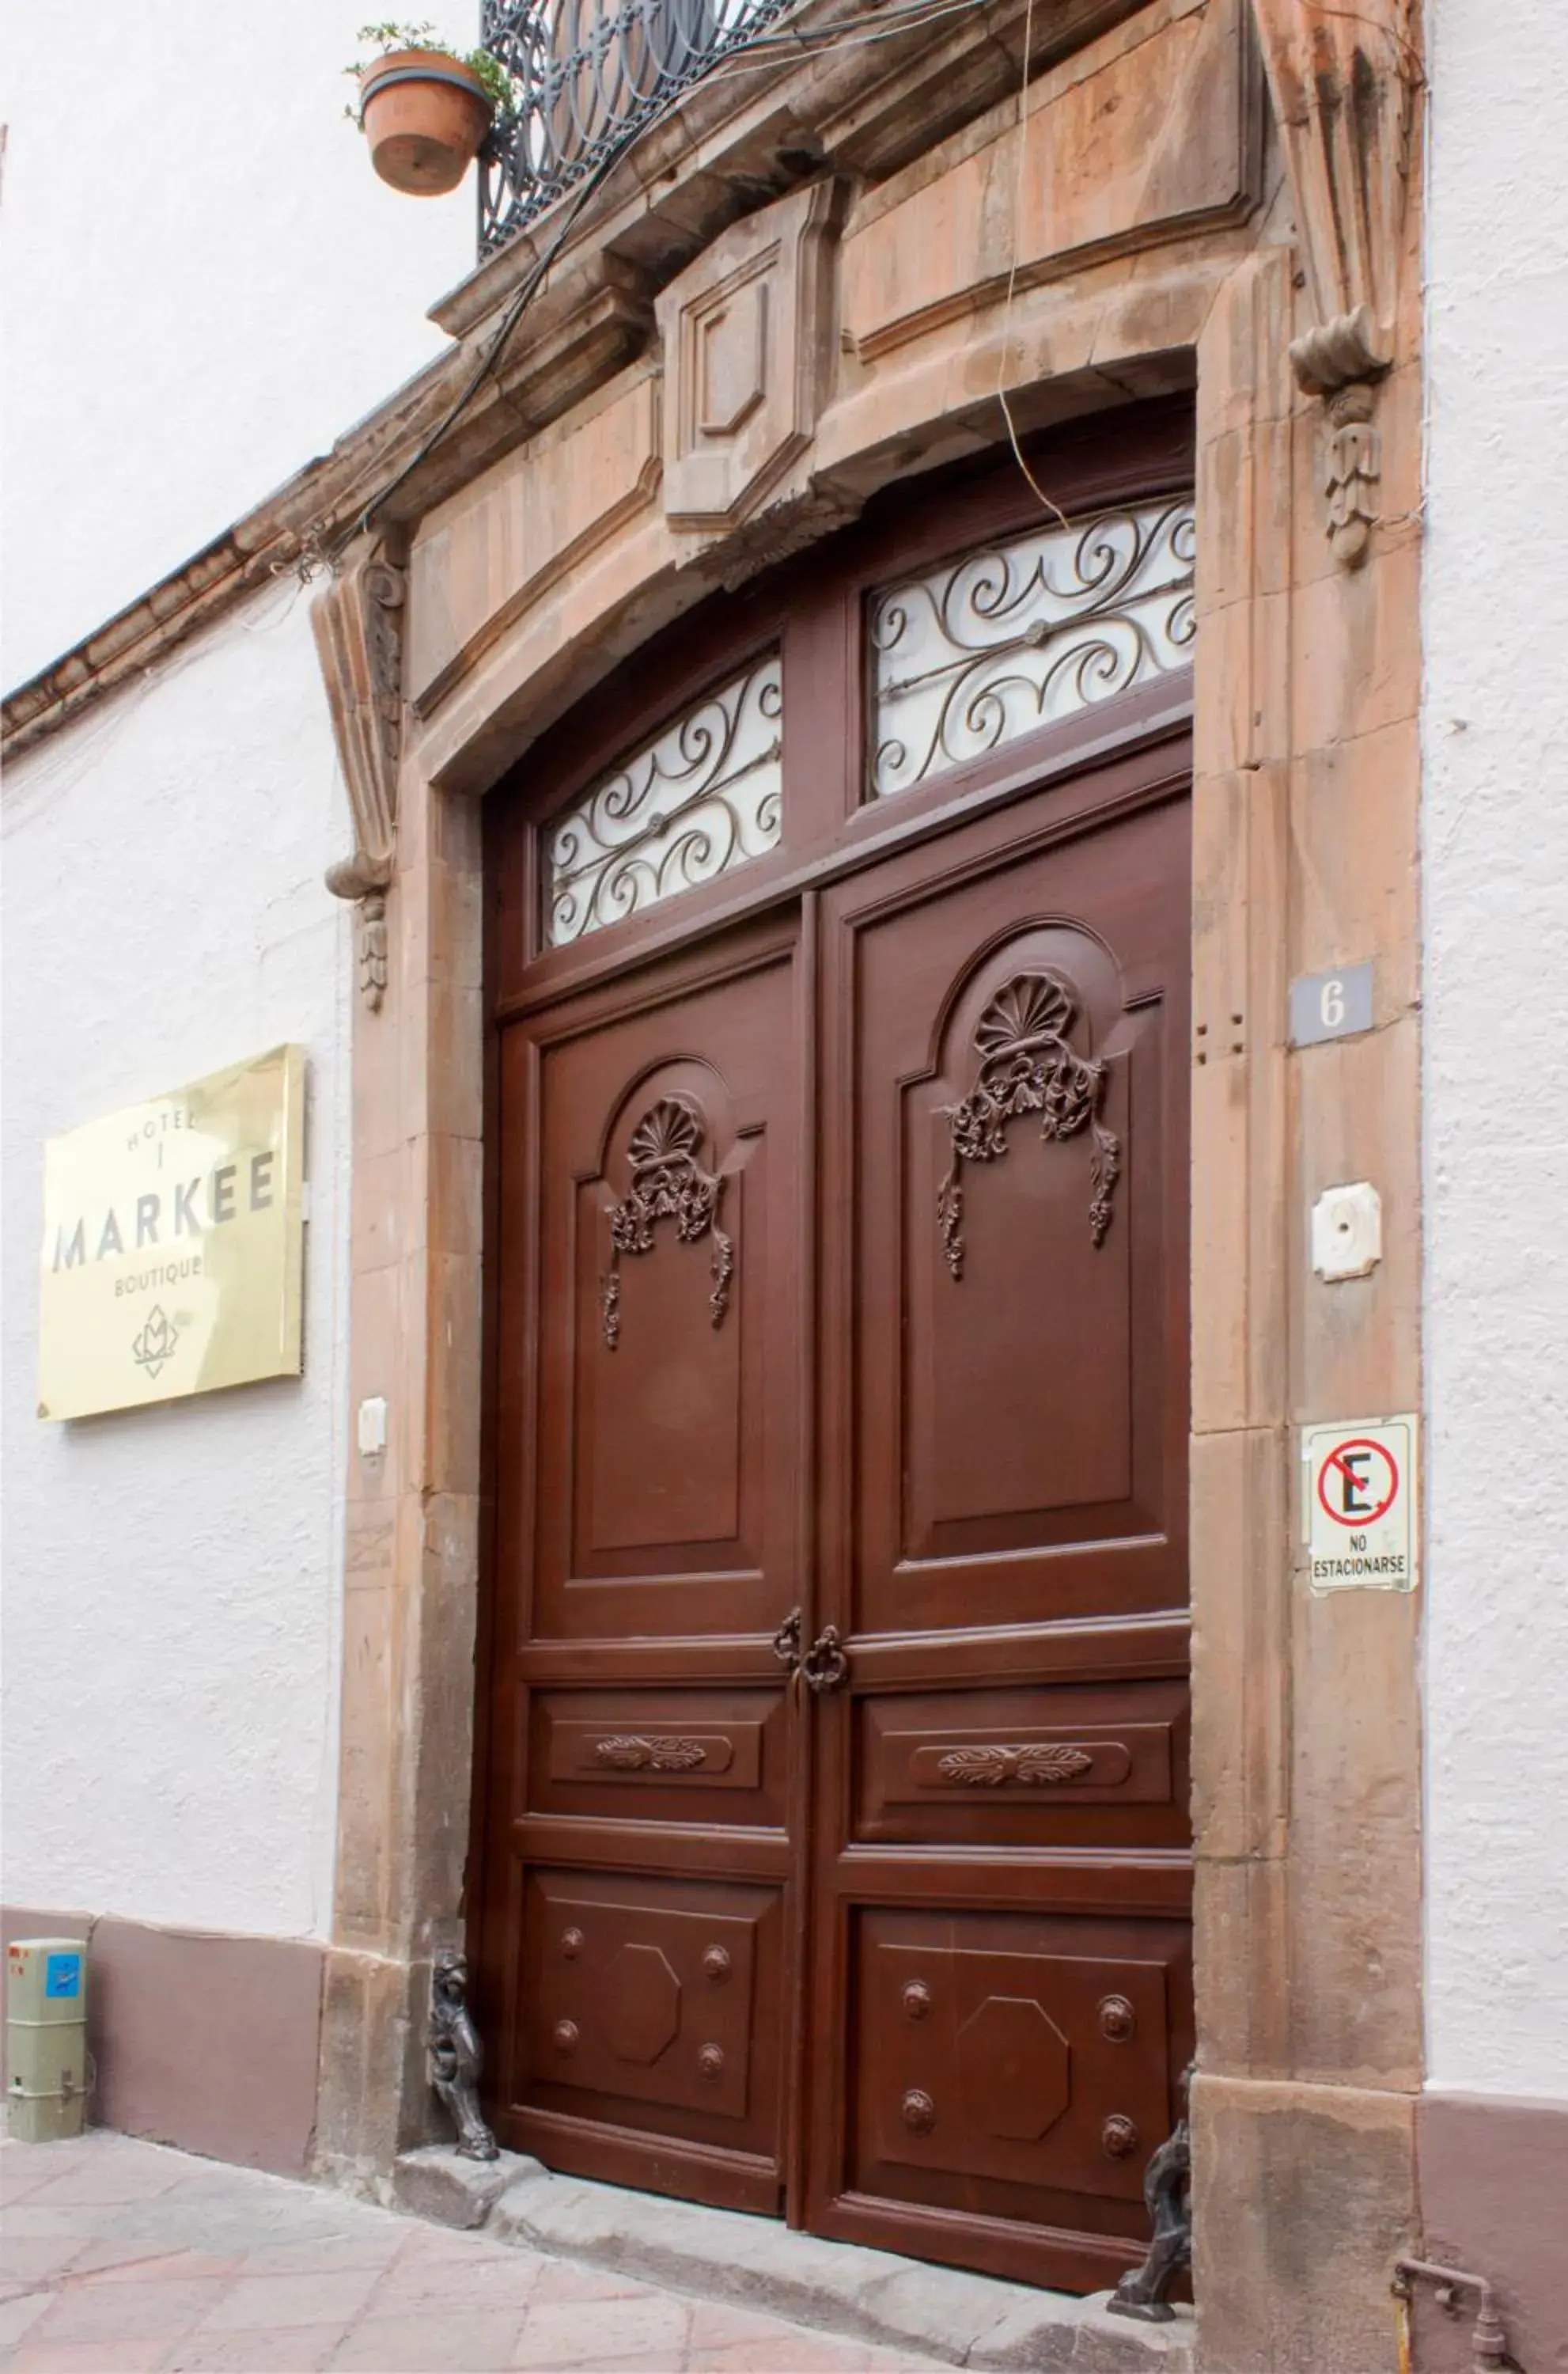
(1028, 1065)
(629, 1752)
(1048, 1766)
(667, 1182)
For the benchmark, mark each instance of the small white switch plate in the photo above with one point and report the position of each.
(372, 1428)
(1347, 1230)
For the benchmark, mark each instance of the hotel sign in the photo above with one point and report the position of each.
(172, 1243)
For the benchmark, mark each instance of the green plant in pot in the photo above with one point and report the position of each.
(424, 109)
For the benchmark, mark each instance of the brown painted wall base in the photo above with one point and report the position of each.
(205, 2042)
(1494, 2177)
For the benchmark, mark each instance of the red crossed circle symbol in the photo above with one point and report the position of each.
(1337, 1459)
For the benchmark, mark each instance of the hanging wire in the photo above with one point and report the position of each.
(1001, 396)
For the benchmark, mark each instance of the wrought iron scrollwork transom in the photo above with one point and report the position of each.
(703, 796)
(1019, 635)
(1028, 1065)
(667, 1182)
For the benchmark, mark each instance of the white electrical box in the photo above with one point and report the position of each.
(1347, 1230)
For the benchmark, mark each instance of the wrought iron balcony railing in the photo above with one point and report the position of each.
(587, 73)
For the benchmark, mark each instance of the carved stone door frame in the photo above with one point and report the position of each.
(1304, 828)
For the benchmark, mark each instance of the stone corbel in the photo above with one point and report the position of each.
(357, 621)
(1344, 79)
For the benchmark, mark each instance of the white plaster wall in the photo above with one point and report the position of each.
(204, 282)
(172, 1576)
(1495, 860)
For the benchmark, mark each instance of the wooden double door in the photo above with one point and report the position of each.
(835, 1852)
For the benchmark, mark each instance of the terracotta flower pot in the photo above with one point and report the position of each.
(425, 116)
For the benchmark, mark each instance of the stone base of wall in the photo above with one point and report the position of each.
(208, 2043)
(1304, 2196)
(1494, 2175)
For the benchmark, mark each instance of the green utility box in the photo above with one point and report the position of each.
(46, 2038)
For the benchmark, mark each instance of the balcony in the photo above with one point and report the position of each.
(588, 75)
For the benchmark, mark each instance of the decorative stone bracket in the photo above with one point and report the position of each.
(357, 622)
(1344, 79)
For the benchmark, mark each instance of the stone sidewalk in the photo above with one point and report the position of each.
(119, 2257)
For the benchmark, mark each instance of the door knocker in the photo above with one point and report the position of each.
(825, 1665)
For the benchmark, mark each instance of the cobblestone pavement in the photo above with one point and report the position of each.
(119, 2257)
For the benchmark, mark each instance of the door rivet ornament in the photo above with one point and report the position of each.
(1119, 2137)
(571, 1943)
(716, 1962)
(915, 2000)
(1028, 1065)
(917, 2112)
(565, 2036)
(711, 2063)
(1117, 2019)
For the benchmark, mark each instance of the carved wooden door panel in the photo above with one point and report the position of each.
(639, 1901)
(1002, 2006)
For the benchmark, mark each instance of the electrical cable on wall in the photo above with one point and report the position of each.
(1055, 509)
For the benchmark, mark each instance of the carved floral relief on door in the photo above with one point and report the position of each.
(666, 1170)
(1021, 1372)
(1014, 1145)
(662, 1371)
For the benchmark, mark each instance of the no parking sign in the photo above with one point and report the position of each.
(1360, 1488)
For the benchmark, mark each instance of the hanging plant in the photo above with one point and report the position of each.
(424, 109)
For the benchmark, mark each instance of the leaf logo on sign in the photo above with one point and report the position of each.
(153, 1346)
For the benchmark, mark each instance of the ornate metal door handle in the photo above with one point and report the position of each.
(825, 1666)
(787, 1641)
